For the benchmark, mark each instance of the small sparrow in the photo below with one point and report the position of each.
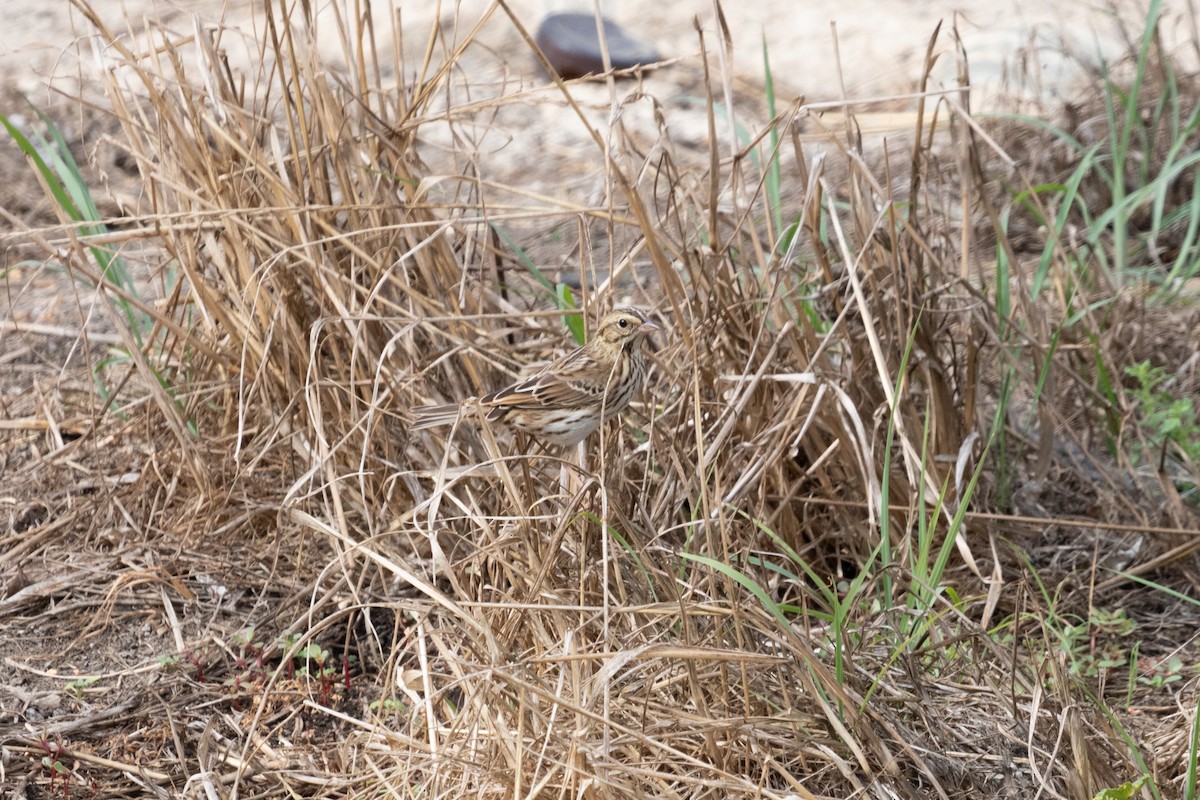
(570, 398)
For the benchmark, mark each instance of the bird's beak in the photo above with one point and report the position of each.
(647, 327)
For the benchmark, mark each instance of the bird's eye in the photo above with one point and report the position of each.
(624, 323)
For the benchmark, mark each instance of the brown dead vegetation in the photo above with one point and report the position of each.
(233, 571)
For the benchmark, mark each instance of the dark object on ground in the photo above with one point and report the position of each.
(573, 48)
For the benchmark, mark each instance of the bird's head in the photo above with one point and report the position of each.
(625, 326)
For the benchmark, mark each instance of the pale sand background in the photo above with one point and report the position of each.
(882, 41)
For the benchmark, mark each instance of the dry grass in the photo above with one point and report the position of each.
(832, 554)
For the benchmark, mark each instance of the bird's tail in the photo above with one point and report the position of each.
(435, 416)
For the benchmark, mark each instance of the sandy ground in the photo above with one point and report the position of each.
(881, 42)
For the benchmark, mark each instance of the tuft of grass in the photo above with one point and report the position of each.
(1170, 425)
(775, 575)
(64, 182)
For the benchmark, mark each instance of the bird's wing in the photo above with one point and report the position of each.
(545, 390)
(575, 379)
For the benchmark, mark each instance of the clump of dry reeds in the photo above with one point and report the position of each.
(769, 580)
